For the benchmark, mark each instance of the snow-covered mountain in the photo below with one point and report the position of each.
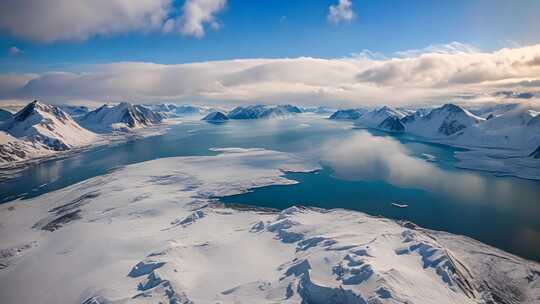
(518, 128)
(376, 117)
(47, 126)
(75, 111)
(189, 109)
(321, 110)
(120, 117)
(392, 124)
(263, 111)
(5, 115)
(513, 127)
(13, 149)
(215, 116)
(492, 110)
(150, 233)
(347, 114)
(444, 121)
(174, 110)
(280, 111)
(247, 112)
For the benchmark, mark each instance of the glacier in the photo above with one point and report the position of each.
(154, 232)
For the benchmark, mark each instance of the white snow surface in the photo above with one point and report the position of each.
(13, 149)
(39, 130)
(502, 144)
(151, 233)
(374, 118)
(47, 125)
(121, 117)
(442, 122)
(515, 129)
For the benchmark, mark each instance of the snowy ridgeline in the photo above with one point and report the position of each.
(38, 130)
(264, 112)
(505, 139)
(151, 232)
(42, 130)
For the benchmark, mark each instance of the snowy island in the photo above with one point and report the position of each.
(503, 140)
(153, 232)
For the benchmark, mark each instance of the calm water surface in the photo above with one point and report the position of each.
(362, 170)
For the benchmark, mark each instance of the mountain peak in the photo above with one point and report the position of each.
(123, 116)
(48, 126)
(450, 107)
(216, 116)
(124, 104)
(36, 107)
(384, 109)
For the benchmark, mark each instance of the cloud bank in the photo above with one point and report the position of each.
(53, 20)
(422, 78)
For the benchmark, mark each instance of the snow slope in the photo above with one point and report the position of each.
(501, 144)
(263, 111)
(150, 233)
(75, 111)
(350, 114)
(121, 117)
(5, 115)
(13, 149)
(374, 118)
(487, 111)
(174, 110)
(321, 110)
(442, 122)
(215, 116)
(392, 124)
(47, 126)
(518, 128)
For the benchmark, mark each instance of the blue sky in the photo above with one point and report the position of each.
(277, 28)
(307, 52)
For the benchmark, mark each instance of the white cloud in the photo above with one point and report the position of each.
(447, 69)
(14, 50)
(52, 20)
(341, 12)
(427, 78)
(198, 12)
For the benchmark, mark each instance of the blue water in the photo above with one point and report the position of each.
(363, 170)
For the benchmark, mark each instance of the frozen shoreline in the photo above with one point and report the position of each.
(13, 169)
(502, 162)
(152, 232)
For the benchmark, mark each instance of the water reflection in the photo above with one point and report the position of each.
(365, 157)
(372, 169)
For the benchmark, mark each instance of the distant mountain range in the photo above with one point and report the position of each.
(41, 129)
(260, 112)
(504, 126)
(263, 111)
